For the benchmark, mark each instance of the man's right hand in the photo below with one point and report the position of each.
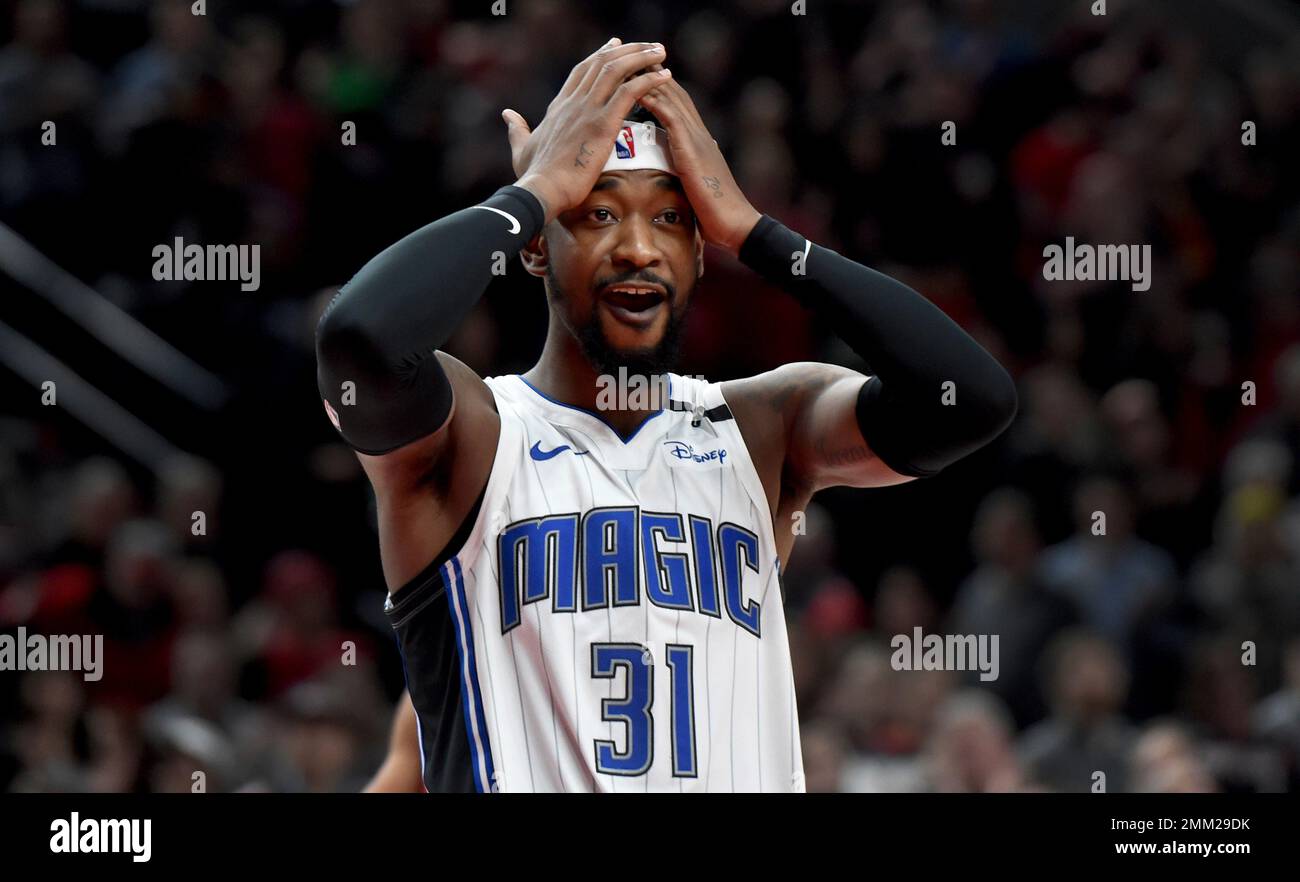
(560, 161)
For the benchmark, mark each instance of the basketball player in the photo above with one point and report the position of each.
(587, 597)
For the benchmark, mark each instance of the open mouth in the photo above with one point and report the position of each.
(634, 304)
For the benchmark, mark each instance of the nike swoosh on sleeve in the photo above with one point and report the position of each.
(514, 222)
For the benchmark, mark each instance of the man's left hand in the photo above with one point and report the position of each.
(724, 214)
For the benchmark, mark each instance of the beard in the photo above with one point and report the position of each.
(607, 358)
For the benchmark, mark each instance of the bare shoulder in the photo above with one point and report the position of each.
(765, 407)
(473, 413)
(464, 380)
(820, 443)
(427, 488)
(781, 390)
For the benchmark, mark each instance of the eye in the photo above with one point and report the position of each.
(672, 216)
(601, 214)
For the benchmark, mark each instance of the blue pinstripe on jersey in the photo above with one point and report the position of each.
(471, 697)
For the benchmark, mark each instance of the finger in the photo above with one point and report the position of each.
(631, 92)
(517, 130)
(603, 80)
(604, 55)
(677, 105)
(660, 102)
(652, 68)
(675, 94)
(687, 102)
(580, 69)
(606, 58)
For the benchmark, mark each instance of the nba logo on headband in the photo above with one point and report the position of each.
(624, 145)
(640, 145)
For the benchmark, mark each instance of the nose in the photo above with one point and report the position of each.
(635, 245)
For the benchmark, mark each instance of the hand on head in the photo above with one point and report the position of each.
(724, 214)
(562, 158)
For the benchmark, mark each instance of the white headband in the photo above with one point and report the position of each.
(640, 145)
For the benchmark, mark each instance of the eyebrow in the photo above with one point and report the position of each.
(663, 182)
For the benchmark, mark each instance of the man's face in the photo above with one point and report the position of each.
(621, 268)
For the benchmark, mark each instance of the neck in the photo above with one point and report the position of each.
(564, 374)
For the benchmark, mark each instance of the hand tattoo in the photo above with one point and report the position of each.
(713, 184)
(582, 151)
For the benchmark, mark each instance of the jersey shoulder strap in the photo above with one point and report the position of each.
(702, 399)
(707, 406)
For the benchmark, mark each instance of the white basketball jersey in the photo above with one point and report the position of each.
(617, 608)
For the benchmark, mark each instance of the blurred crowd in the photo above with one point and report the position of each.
(1164, 653)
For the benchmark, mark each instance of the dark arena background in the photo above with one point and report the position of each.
(170, 481)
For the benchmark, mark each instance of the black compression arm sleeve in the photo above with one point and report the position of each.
(910, 344)
(381, 330)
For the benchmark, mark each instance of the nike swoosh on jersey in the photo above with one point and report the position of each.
(543, 455)
(514, 222)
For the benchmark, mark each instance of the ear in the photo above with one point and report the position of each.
(535, 257)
